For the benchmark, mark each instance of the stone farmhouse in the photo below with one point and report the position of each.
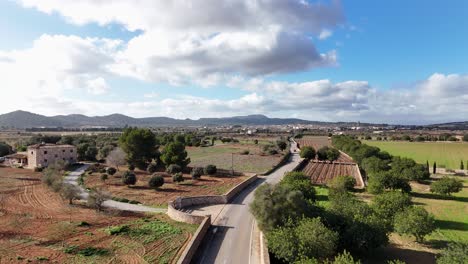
(41, 155)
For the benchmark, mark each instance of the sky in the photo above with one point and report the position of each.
(396, 62)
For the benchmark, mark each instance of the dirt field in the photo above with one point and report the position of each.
(168, 192)
(224, 155)
(37, 226)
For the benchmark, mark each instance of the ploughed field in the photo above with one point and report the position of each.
(318, 142)
(37, 226)
(445, 154)
(322, 173)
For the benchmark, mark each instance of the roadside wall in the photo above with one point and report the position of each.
(195, 242)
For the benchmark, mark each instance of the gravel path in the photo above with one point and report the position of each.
(72, 178)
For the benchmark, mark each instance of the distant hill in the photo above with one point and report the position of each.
(23, 119)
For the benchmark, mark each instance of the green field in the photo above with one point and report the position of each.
(448, 154)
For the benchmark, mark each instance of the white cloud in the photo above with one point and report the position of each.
(97, 86)
(199, 41)
(151, 95)
(325, 34)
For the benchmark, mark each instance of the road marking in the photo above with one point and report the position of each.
(250, 243)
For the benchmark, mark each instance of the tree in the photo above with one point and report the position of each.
(104, 177)
(344, 258)
(386, 205)
(434, 168)
(178, 177)
(307, 152)
(156, 181)
(210, 169)
(256, 141)
(97, 198)
(116, 158)
(173, 168)
(282, 145)
(342, 183)
(454, 253)
(111, 171)
(196, 172)
(300, 182)
(152, 168)
(273, 206)
(141, 146)
(414, 221)
(5, 149)
(332, 154)
(446, 186)
(175, 153)
(322, 153)
(373, 165)
(427, 166)
(86, 151)
(308, 239)
(129, 178)
(70, 192)
(461, 165)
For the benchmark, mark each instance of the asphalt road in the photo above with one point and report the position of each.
(230, 238)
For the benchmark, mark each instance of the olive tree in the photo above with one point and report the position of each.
(446, 186)
(307, 153)
(415, 221)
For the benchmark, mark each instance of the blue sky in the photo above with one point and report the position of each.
(392, 61)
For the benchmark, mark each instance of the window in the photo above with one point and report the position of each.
(32, 152)
(45, 161)
(71, 150)
(63, 151)
(63, 159)
(56, 155)
(45, 152)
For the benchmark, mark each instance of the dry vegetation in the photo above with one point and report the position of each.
(36, 225)
(169, 191)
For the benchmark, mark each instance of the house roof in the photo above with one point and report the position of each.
(17, 156)
(47, 145)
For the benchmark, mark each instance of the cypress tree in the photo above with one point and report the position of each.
(434, 168)
(461, 165)
(427, 166)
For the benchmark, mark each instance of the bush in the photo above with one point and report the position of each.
(117, 230)
(446, 186)
(454, 253)
(197, 172)
(178, 177)
(152, 168)
(97, 198)
(342, 183)
(131, 167)
(111, 171)
(104, 177)
(307, 153)
(210, 170)
(245, 152)
(156, 181)
(129, 178)
(173, 168)
(414, 221)
(38, 169)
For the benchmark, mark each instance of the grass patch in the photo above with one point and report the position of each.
(322, 195)
(445, 154)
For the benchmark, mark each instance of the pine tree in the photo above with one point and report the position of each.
(434, 168)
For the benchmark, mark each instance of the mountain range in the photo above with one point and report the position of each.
(22, 119)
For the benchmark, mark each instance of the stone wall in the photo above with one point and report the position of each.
(192, 246)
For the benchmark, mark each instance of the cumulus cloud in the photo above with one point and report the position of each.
(196, 41)
(325, 34)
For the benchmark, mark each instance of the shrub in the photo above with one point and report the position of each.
(104, 177)
(38, 169)
(131, 167)
(97, 198)
(156, 181)
(342, 183)
(272, 151)
(117, 230)
(446, 186)
(414, 221)
(111, 171)
(454, 253)
(178, 177)
(307, 153)
(152, 168)
(245, 152)
(173, 168)
(129, 178)
(197, 172)
(210, 169)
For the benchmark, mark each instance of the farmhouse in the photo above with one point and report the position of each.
(41, 155)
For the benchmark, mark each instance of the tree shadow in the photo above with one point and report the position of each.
(28, 179)
(170, 190)
(439, 197)
(451, 225)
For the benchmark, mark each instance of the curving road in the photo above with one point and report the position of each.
(72, 178)
(231, 239)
